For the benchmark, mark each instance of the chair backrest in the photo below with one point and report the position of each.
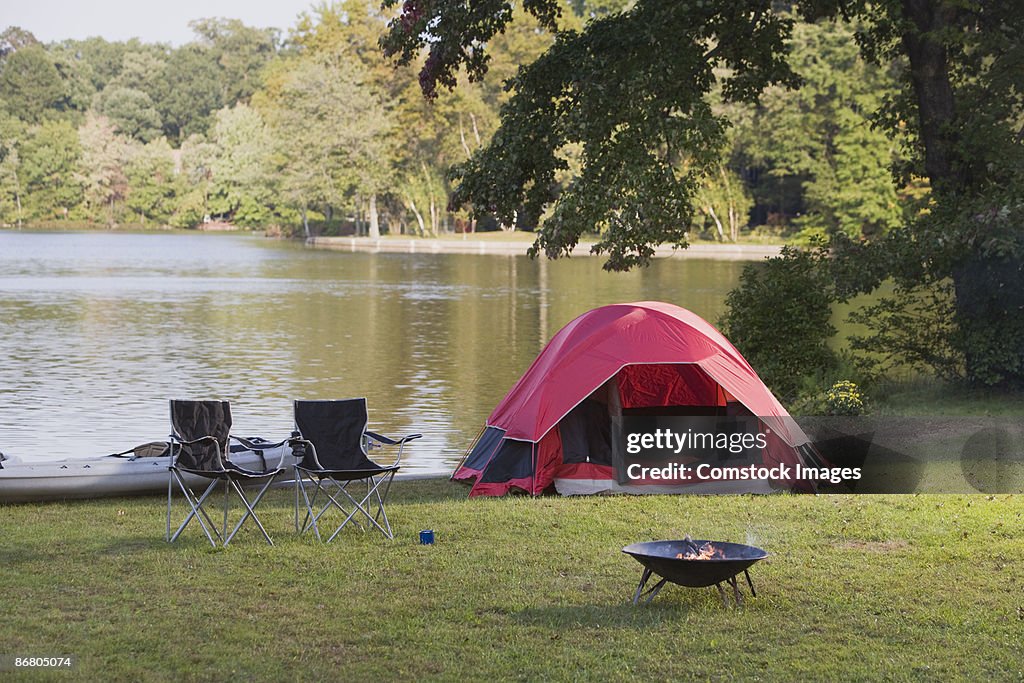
(337, 430)
(192, 420)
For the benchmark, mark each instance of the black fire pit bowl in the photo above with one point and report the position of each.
(659, 557)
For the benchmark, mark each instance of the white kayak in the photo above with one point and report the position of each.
(23, 481)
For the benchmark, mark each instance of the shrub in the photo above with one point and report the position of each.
(844, 398)
(778, 317)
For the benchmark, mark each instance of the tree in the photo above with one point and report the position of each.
(821, 137)
(12, 133)
(353, 28)
(241, 169)
(189, 92)
(223, 66)
(152, 182)
(13, 38)
(241, 52)
(104, 61)
(632, 88)
(780, 316)
(31, 87)
(197, 158)
(725, 201)
(49, 160)
(102, 169)
(332, 128)
(130, 110)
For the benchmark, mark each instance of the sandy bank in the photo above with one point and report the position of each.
(729, 252)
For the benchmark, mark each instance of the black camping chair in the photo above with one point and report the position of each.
(200, 432)
(331, 444)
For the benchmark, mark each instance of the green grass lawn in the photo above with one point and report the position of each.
(932, 397)
(856, 588)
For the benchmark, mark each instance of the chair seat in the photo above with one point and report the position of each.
(233, 472)
(346, 475)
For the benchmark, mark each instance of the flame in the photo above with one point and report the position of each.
(705, 552)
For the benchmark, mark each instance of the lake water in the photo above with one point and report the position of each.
(99, 330)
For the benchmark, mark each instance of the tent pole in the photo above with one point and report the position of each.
(469, 450)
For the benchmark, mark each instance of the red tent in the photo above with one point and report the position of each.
(552, 428)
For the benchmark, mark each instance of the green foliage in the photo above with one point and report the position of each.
(725, 202)
(331, 128)
(820, 137)
(959, 302)
(31, 87)
(643, 122)
(152, 184)
(12, 136)
(50, 158)
(188, 93)
(131, 111)
(812, 394)
(632, 90)
(239, 52)
(243, 185)
(13, 38)
(103, 61)
(223, 67)
(915, 327)
(778, 317)
(190, 209)
(102, 168)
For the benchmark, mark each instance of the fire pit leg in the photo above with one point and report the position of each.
(639, 589)
(721, 591)
(750, 583)
(736, 591)
(649, 595)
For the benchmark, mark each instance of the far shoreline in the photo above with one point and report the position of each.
(486, 244)
(518, 247)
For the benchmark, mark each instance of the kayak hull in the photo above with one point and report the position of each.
(107, 476)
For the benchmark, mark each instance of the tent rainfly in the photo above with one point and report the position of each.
(554, 427)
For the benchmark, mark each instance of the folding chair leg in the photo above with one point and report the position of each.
(376, 490)
(332, 502)
(300, 488)
(360, 506)
(225, 527)
(197, 511)
(249, 510)
(311, 519)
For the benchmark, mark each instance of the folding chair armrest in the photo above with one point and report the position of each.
(183, 442)
(392, 442)
(309, 444)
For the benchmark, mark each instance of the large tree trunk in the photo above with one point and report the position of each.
(987, 287)
(928, 21)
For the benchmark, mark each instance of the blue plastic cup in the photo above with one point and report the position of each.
(427, 537)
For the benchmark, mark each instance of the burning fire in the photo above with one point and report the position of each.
(704, 552)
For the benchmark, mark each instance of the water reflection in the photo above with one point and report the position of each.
(99, 330)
